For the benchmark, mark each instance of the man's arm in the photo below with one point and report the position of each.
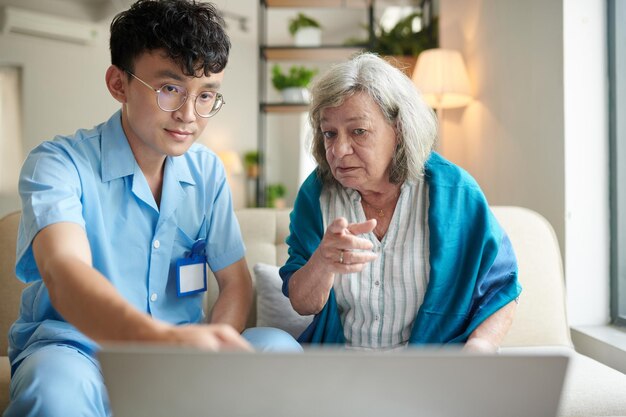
(85, 298)
(235, 297)
(489, 335)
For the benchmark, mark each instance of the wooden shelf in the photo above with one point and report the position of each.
(284, 107)
(274, 53)
(324, 53)
(347, 4)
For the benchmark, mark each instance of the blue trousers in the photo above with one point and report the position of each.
(60, 380)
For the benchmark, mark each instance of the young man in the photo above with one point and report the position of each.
(118, 221)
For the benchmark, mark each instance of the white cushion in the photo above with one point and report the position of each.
(273, 308)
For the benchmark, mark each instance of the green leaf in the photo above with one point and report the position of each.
(302, 21)
(298, 76)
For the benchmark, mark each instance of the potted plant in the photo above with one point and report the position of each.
(401, 44)
(276, 195)
(251, 162)
(293, 84)
(305, 30)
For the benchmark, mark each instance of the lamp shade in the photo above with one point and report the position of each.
(441, 77)
(231, 161)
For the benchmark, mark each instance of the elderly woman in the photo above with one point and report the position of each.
(390, 244)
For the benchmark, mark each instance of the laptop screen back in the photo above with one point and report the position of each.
(159, 381)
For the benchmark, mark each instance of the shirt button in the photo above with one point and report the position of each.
(156, 244)
(376, 318)
(153, 297)
(377, 283)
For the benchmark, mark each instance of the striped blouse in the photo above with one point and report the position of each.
(378, 305)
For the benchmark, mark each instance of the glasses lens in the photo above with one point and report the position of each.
(171, 97)
(209, 103)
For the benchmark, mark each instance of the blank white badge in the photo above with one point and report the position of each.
(192, 278)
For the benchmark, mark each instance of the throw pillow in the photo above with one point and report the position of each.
(273, 308)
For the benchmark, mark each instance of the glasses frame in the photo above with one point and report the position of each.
(219, 98)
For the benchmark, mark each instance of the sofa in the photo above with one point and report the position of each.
(591, 388)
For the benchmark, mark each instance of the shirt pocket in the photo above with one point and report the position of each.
(186, 235)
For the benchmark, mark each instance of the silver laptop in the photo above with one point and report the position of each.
(177, 382)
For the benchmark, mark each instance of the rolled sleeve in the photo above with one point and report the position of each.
(50, 190)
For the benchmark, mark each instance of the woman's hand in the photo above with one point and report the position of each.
(341, 251)
(478, 345)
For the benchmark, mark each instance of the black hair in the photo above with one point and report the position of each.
(190, 33)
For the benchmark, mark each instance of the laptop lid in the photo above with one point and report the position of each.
(165, 381)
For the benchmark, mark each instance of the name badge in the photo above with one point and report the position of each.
(191, 271)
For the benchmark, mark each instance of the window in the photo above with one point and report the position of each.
(10, 130)
(616, 15)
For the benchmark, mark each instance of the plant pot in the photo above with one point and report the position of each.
(295, 95)
(252, 171)
(308, 36)
(280, 203)
(406, 64)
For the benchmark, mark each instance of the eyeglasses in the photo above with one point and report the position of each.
(171, 97)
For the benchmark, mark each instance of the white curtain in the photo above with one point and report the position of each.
(10, 129)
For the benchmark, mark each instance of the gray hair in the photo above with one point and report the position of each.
(401, 103)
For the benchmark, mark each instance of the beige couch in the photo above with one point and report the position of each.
(591, 389)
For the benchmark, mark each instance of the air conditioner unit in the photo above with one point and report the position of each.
(15, 20)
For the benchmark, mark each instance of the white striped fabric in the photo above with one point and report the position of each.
(378, 305)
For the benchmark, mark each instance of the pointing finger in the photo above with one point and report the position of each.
(360, 228)
(338, 225)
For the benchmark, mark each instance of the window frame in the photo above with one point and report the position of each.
(616, 12)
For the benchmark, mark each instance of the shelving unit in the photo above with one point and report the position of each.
(275, 53)
(293, 53)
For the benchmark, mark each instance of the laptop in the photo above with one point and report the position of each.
(157, 381)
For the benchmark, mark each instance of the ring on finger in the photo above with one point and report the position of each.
(341, 256)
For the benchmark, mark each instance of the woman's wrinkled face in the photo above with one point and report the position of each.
(359, 143)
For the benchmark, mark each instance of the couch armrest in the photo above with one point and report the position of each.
(541, 315)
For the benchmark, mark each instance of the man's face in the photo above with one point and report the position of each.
(152, 132)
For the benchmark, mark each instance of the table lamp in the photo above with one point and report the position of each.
(441, 77)
(231, 161)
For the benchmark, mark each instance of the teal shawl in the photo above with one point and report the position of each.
(473, 270)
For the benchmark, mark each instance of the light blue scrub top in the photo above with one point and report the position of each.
(92, 179)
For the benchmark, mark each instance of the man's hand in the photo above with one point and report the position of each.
(212, 337)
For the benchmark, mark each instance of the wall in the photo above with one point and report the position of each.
(511, 138)
(62, 89)
(62, 85)
(535, 135)
(587, 166)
